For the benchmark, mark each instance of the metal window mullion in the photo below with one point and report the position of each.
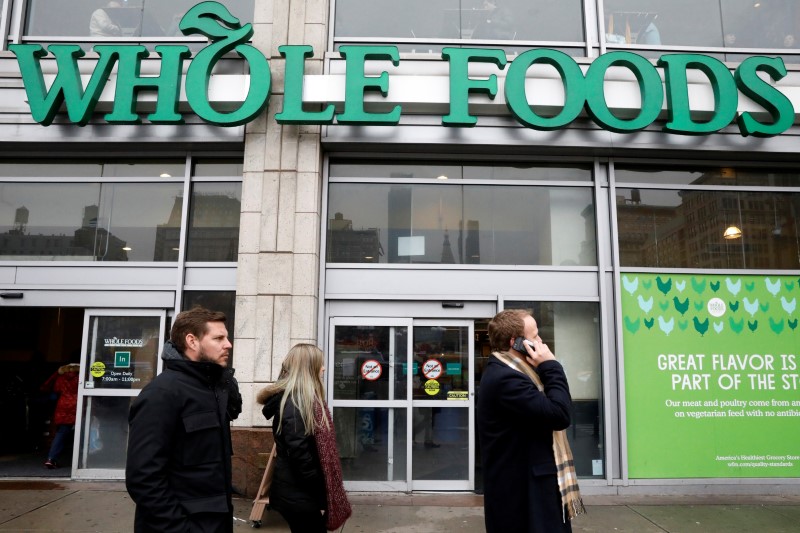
(18, 7)
(601, 26)
(618, 333)
(5, 16)
(605, 262)
(187, 182)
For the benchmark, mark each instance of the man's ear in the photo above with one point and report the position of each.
(191, 341)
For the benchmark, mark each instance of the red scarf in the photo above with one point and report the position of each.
(339, 509)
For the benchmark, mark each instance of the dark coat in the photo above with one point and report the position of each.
(298, 485)
(515, 428)
(178, 470)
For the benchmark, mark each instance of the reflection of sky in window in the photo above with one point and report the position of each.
(515, 225)
(131, 212)
(52, 207)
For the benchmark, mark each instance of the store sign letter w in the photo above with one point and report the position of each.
(207, 18)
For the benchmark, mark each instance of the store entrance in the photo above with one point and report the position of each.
(402, 392)
(37, 343)
(68, 375)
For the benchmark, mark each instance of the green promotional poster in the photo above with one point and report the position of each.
(711, 375)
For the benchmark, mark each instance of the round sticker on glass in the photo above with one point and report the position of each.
(98, 369)
(716, 307)
(371, 370)
(432, 369)
(431, 387)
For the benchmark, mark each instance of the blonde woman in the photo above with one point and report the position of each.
(307, 487)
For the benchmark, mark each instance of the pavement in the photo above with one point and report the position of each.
(71, 506)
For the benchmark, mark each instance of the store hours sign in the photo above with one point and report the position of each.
(584, 92)
(712, 375)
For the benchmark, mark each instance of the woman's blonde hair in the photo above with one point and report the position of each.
(300, 382)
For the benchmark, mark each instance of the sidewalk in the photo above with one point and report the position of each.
(53, 506)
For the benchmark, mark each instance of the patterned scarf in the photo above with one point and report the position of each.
(567, 479)
(339, 509)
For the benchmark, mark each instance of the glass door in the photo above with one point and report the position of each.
(368, 394)
(402, 398)
(442, 404)
(119, 356)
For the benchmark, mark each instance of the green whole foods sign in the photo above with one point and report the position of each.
(712, 375)
(583, 91)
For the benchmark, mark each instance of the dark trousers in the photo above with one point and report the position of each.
(305, 522)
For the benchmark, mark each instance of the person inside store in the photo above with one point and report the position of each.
(307, 488)
(523, 408)
(178, 470)
(102, 25)
(64, 384)
(497, 24)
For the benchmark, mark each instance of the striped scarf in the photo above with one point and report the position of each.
(338, 508)
(571, 500)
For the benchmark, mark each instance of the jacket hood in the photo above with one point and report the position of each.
(71, 367)
(266, 393)
(171, 353)
(272, 402)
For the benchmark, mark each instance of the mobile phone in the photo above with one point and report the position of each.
(519, 345)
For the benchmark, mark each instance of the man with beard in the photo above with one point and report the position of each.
(178, 469)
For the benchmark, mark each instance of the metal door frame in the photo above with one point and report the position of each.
(448, 484)
(80, 429)
(408, 404)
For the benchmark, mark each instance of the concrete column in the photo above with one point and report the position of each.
(278, 265)
(278, 271)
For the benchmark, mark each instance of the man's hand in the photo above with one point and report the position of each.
(538, 352)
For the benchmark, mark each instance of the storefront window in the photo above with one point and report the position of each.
(214, 222)
(116, 18)
(434, 170)
(731, 176)
(91, 221)
(506, 20)
(218, 167)
(168, 168)
(571, 330)
(708, 229)
(732, 23)
(460, 224)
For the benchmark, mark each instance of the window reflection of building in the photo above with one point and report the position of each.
(690, 233)
(346, 245)
(87, 241)
(213, 229)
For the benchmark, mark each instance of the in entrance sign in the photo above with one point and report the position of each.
(583, 91)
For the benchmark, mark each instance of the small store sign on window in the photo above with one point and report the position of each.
(122, 359)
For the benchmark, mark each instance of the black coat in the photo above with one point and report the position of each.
(515, 428)
(298, 485)
(178, 469)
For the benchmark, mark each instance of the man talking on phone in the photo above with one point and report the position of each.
(524, 407)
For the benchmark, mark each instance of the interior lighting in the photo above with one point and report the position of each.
(165, 175)
(442, 177)
(757, 4)
(127, 248)
(732, 232)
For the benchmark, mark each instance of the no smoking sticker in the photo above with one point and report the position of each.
(371, 370)
(432, 369)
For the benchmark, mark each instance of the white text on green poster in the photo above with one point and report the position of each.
(712, 377)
